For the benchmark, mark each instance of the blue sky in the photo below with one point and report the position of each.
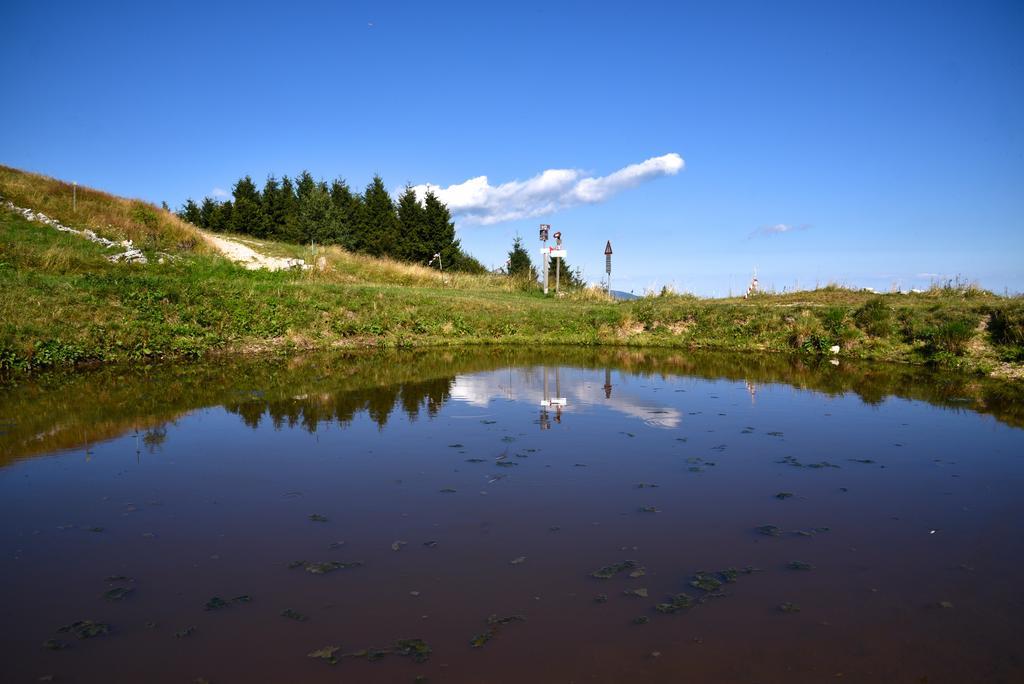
(869, 143)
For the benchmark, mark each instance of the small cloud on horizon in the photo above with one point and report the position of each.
(779, 229)
(219, 193)
(476, 201)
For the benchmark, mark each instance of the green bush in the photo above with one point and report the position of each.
(874, 317)
(1006, 325)
(950, 338)
(833, 321)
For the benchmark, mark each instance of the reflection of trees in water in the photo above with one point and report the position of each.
(342, 406)
(57, 411)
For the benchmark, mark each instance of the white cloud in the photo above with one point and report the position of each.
(477, 201)
(779, 228)
(219, 193)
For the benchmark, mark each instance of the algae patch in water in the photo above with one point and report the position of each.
(417, 649)
(799, 565)
(328, 654)
(494, 622)
(792, 460)
(117, 593)
(481, 639)
(769, 530)
(55, 645)
(788, 607)
(293, 615)
(705, 582)
(217, 603)
(675, 603)
(782, 496)
(609, 571)
(324, 567)
(85, 629)
(316, 517)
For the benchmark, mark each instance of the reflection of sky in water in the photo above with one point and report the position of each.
(581, 388)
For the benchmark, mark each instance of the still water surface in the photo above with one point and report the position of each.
(222, 522)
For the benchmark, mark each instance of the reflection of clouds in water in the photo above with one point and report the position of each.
(580, 387)
(666, 416)
(480, 389)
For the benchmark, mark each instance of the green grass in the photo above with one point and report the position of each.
(62, 304)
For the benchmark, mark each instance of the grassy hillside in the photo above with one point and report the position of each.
(63, 303)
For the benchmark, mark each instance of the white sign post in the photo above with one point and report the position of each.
(544, 228)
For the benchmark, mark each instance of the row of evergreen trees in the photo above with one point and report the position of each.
(306, 210)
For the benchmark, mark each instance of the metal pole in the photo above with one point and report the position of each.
(558, 273)
(544, 258)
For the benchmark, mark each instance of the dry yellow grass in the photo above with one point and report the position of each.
(146, 225)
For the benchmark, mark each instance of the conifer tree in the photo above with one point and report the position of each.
(519, 264)
(245, 215)
(346, 208)
(316, 213)
(191, 213)
(289, 231)
(274, 208)
(206, 212)
(220, 219)
(438, 229)
(412, 229)
(377, 227)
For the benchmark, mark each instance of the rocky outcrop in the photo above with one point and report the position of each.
(131, 253)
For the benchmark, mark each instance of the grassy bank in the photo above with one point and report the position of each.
(62, 303)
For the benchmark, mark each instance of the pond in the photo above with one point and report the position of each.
(501, 515)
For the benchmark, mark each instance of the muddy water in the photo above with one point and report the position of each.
(462, 486)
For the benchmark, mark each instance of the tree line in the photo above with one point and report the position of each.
(305, 210)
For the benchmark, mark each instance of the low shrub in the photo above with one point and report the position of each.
(874, 317)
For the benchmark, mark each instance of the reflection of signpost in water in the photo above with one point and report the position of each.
(607, 383)
(547, 402)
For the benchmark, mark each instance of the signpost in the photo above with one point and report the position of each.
(544, 228)
(608, 263)
(547, 253)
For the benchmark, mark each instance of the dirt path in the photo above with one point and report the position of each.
(250, 258)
